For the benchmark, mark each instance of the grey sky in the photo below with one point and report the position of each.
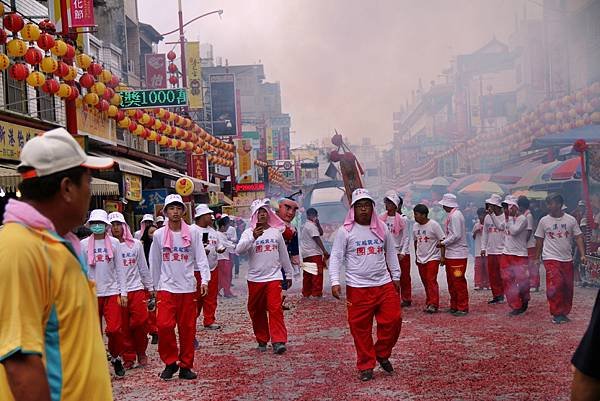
(345, 64)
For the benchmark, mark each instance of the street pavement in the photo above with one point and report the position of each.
(486, 355)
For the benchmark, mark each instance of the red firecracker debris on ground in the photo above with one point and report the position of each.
(486, 355)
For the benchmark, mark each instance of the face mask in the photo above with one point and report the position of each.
(98, 228)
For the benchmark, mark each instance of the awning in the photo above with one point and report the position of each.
(482, 188)
(103, 187)
(198, 183)
(513, 174)
(462, 182)
(535, 195)
(536, 176)
(567, 170)
(9, 179)
(127, 165)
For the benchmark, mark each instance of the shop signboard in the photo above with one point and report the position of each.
(156, 71)
(150, 98)
(132, 187)
(13, 138)
(151, 197)
(96, 125)
(222, 97)
(194, 74)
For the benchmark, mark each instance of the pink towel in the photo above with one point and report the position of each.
(23, 213)
(127, 237)
(398, 222)
(273, 221)
(90, 249)
(186, 236)
(377, 227)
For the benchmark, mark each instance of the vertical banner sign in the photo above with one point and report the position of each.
(276, 141)
(238, 105)
(262, 150)
(222, 96)
(156, 71)
(244, 163)
(132, 187)
(200, 167)
(269, 142)
(194, 74)
(284, 143)
(82, 13)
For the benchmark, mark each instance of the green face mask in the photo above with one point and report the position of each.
(98, 228)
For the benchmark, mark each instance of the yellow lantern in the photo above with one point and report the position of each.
(181, 145)
(172, 116)
(1, 9)
(71, 75)
(145, 118)
(139, 129)
(153, 136)
(168, 130)
(116, 99)
(36, 79)
(124, 123)
(163, 140)
(184, 186)
(130, 112)
(83, 61)
(105, 76)
(157, 124)
(64, 90)
(31, 32)
(79, 102)
(48, 64)
(174, 143)
(16, 48)
(112, 110)
(91, 99)
(161, 113)
(4, 61)
(99, 88)
(60, 48)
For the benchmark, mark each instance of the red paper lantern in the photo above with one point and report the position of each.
(114, 81)
(33, 56)
(146, 133)
(51, 86)
(62, 70)
(138, 114)
(108, 93)
(74, 93)
(87, 80)
(120, 115)
(132, 126)
(172, 68)
(70, 54)
(18, 71)
(102, 105)
(173, 80)
(171, 55)
(95, 69)
(3, 37)
(13, 22)
(46, 41)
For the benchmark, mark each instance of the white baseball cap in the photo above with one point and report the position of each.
(581, 203)
(55, 151)
(360, 193)
(116, 217)
(392, 197)
(99, 215)
(258, 203)
(449, 200)
(147, 217)
(173, 198)
(495, 200)
(511, 201)
(160, 219)
(201, 210)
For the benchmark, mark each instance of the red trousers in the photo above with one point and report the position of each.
(559, 286)
(493, 265)
(364, 304)
(208, 304)
(457, 284)
(534, 269)
(264, 307)
(428, 272)
(312, 284)
(176, 310)
(109, 308)
(152, 329)
(515, 275)
(481, 274)
(225, 267)
(405, 283)
(135, 326)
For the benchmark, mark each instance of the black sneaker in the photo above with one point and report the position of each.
(187, 374)
(524, 307)
(515, 312)
(118, 366)
(452, 310)
(496, 300)
(279, 348)
(431, 309)
(169, 371)
(154, 338)
(366, 375)
(560, 319)
(262, 347)
(406, 304)
(386, 365)
(460, 313)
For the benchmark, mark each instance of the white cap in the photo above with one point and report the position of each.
(55, 151)
(173, 198)
(495, 200)
(511, 201)
(392, 197)
(201, 210)
(160, 219)
(564, 207)
(361, 193)
(116, 217)
(224, 215)
(581, 203)
(147, 217)
(258, 203)
(449, 200)
(99, 215)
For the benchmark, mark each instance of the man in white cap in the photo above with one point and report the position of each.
(147, 220)
(532, 263)
(47, 304)
(366, 249)
(104, 261)
(139, 286)
(398, 225)
(492, 246)
(175, 253)
(456, 255)
(160, 221)
(207, 305)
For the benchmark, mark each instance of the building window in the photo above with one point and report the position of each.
(16, 94)
(46, 106)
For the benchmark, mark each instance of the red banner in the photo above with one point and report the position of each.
(199, 167)
(82, 13)
(156, 71)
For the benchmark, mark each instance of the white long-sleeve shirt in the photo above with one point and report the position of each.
(477, 233)
(492, 237)
(402, 240)
(225, 242)
(136, 268)
(267, 255)
(232, 234)
(211, 247)
(173, 269)
(456, 236)
(110, 280)
(366, 257)
(515, 239)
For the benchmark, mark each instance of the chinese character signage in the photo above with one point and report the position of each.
(96, 125)
(244, 164)
(82, 13)
(199, 167)
(132, 187)
(251, 187)
(151, 197)
(222, 95)
(194, 74)
(12, 139)
(269, 143)
(156, 71)
(153, 98)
